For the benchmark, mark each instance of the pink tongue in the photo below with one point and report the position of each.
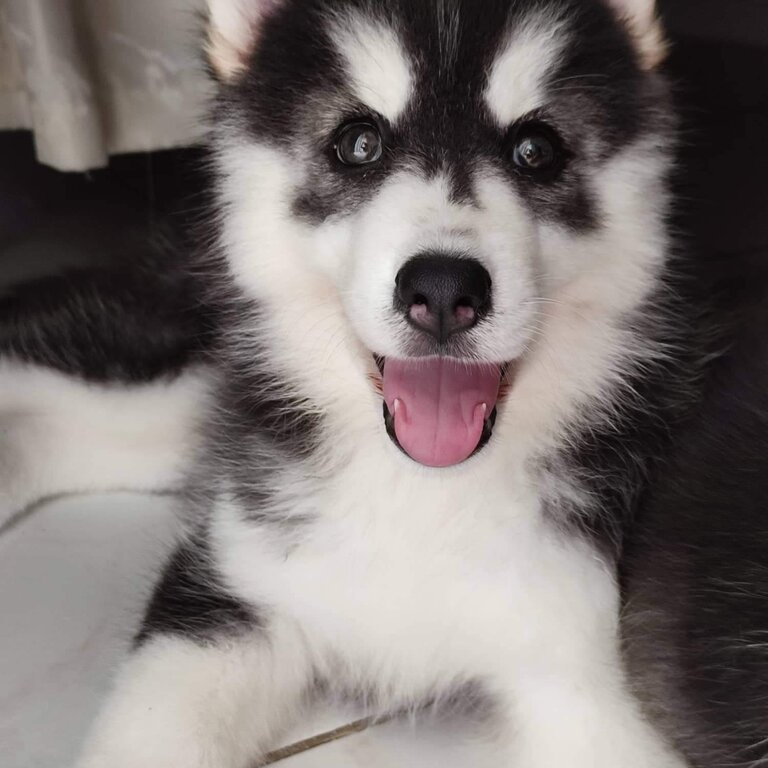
(440, 406)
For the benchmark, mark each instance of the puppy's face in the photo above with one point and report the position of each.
(455, 177)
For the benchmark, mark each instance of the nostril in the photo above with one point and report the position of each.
(420, 298)
(420, 314)
(465, 314)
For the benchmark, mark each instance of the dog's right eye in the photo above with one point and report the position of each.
(359, 144)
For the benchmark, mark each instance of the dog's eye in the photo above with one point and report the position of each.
(536, 147)
(359, 144)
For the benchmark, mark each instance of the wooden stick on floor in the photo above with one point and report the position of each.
(322, 738)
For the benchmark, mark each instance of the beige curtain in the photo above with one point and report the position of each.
(93, 78)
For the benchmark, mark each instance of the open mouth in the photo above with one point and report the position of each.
(440, 410)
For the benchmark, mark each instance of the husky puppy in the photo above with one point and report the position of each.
(449, 360)
(441, 234)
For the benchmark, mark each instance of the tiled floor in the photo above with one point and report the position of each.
(74, 576)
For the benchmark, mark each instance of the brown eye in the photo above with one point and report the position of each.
(359, 144)
(536, 148)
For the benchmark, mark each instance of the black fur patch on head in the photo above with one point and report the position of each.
(295, 95)
(191, 601)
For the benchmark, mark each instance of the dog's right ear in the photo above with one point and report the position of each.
(233, 32)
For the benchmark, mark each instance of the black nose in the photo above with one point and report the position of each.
(443, 295)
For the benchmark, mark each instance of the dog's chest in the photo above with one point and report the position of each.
(458, 564)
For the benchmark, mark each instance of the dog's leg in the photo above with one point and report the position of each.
(183, 704)
(212, 682)
(556, 720)
(562, 693)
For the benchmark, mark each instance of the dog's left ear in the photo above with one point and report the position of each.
(644, 24)
(233, 33)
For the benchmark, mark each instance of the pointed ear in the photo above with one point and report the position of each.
(232, 33)
(646, 29)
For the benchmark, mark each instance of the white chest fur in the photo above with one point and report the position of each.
(422, 575)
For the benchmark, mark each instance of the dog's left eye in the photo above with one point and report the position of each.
(359, 144)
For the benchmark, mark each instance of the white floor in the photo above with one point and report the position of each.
(74, 576)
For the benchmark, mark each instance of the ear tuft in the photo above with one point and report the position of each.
(232, 34)
(646, 29)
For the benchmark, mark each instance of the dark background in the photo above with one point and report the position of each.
(719, 67)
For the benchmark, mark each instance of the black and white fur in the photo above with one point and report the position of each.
(324, 561)
(102, 382)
